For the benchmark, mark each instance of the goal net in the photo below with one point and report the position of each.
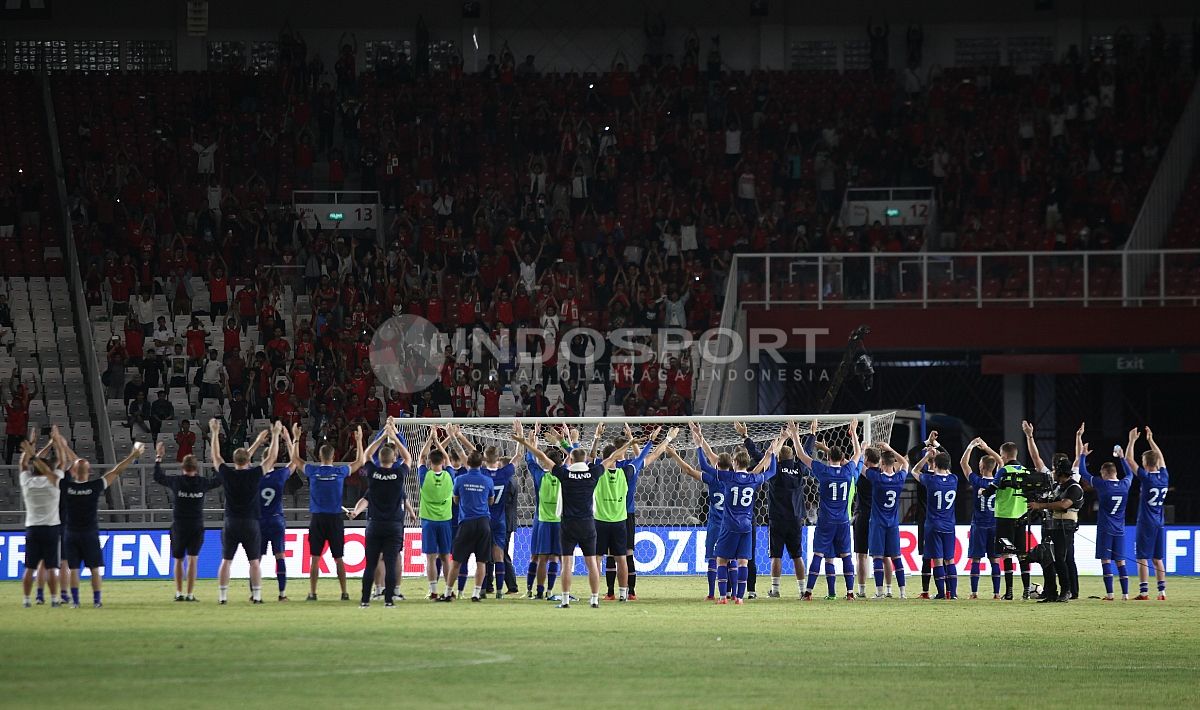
(671, 508)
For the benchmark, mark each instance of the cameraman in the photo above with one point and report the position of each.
(1064, 504)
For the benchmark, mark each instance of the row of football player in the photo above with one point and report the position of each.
(729, 519)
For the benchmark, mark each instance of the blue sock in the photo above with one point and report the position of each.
(551, 574)
(62, 592)
(939, 579)
(995, 567)
(1162, 586)
(41, 595)
(974, 576)
(733, 575)
(96, 597)
(877, 567)
(1124, 577)
(74, 595)
(743, 575)
(814, 571)
(498, 576)
(462, 578)
(281, 574)
(951, 579)
(722, 580)
(510, 570)
(898, 571)
(1106, 568)
(831, 578)
(712, 576)
(848, 573)
(1144, 587)
(530, 574)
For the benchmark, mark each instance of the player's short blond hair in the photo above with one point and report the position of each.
(189, 463)
(1151, 459)
(241, 456)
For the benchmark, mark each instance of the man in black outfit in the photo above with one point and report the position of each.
(240, 484)
(81, 498)
(385, 500)
(578, 527)
(1067, 499)
(187, 520)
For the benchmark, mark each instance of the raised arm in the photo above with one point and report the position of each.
(687, 469)
(596, 443)
(530, 445)
(364, 455)
(159, 477)
(214, 445)
(1130, 458)
(294, 454)
(1162, 462)
(965, 462)
(919, 469)
(463, 441)
(259, 441)
(30, 460)
(116, 471)
(1034, 456)
(272, 450)
(661, 448)
(855, 441)
(705, 449)
(804, 457)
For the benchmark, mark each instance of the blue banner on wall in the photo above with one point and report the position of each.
(146, 554)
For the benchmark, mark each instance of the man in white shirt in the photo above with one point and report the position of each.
(163, 337)
(142, 308)
(212, 379)
(205, 154)
(40, 493)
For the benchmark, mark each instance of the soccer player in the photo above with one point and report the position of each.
(1151, 540)
(707, 474)
(81, 543)
(739, 488)
(612, 489)
(648, 454)
(187, 520)
(1010, 506)
(546, 539)
(385, 497)
(578, 479)
(941, 490)
(887, 470)
(436, 485)
(40, 493)
(834, 484)
(326, 482)
(785, 507)
(240, 486)
(501, 471)
(1112, 495)
(473, 494)
(983, 518)
(272, 525)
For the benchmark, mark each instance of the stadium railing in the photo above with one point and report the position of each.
(978, 279)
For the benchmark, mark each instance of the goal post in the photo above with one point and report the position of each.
(671, 508)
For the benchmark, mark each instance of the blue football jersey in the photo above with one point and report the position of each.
(709, 474)
(885, 496)
(472, 488)
(1153, 488)
(940, 493)
(740, 489)
(501, 477)
(983, 512)
(325, 485)
(835, 486)
(270, 492)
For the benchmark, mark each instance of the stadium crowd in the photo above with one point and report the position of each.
(518, 198)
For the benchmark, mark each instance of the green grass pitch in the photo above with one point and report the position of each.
(668, 649)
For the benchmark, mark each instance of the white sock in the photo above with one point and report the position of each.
(27, 599)
(595, 598)
(433, 587)
(889, 588)
(222, 593)
(879, 590)
(862, 590)
(800, 585)
(256, 592)
(774, 584)
(396, 591)
(475, 594)
(622, 592)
